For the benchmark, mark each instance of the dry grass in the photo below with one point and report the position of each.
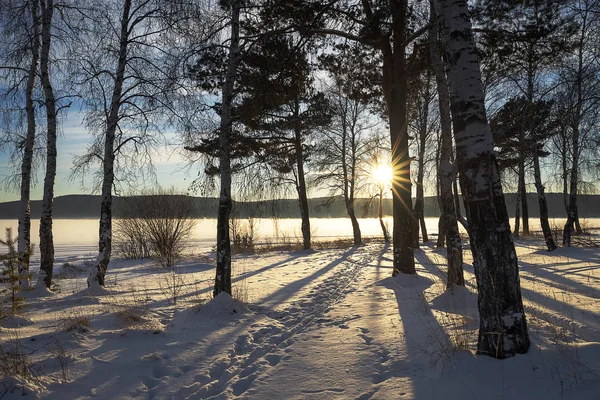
(76, 319)
(239, 288)
(16, 360)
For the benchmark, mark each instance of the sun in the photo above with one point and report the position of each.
(382, 173)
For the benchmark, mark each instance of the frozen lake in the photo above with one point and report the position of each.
(81, 235)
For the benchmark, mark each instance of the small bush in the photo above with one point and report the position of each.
(158, 224)
(243, 235)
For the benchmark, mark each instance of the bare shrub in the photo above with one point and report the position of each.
(158, 223)
(243, 234)
(131, 239)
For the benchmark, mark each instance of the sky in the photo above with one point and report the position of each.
(171, 168)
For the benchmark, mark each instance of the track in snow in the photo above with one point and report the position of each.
(263, 347)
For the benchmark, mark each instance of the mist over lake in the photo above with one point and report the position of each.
(76, 235)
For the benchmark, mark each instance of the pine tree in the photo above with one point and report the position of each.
(11, 273)
(280, 109)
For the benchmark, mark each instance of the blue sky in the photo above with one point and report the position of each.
(171, 168)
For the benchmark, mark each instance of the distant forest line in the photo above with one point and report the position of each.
(88, 206)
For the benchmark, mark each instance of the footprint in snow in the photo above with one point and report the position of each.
(273, 359)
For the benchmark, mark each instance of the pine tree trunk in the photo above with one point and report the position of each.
(46, 238)
(503, 328)
(446, 170)
(24, 238)
(424, 229)
(395, 90)
(349, 201)
(98, 274)
(456, 195)
(223, 271)
(543, 204)
(386, 236)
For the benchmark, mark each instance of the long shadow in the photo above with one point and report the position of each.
(440, 269)
(562, 308)
(107, 371)
(424, 259)
(555, 279)
(577, 253)
(423, 337)
(286, 291)
(192, 293)
(296, 255)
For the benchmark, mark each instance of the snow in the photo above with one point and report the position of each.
(325, 324)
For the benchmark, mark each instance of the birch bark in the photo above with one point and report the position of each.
(445, 169)
(24, 241)
(46, 238)
(98, 274)
(223, 271)
(503, 327)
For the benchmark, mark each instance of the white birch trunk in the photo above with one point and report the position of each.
(446, 171)
(223, 270)
(46, 238)
(98, 274)
(24, 243)
(503, 328)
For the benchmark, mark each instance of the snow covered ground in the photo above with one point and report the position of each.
(326, 324)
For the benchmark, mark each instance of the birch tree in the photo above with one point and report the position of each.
(446, 168)
(223, 272)
(340, 154)
(20, 64)
(46, 236)
(503, 327)
(126, 77)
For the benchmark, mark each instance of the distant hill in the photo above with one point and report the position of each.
(88, 206)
